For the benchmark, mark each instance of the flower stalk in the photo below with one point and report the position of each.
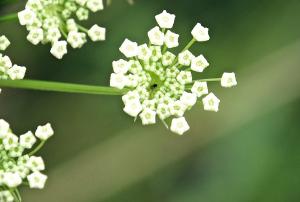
(61, 87)
(9, 17)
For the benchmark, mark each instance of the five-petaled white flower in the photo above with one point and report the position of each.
(165, 20)
(211, 103)
(228, 80)
(200, 33)
(37, 180)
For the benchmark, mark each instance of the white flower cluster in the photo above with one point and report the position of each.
(18, 166)
(7, 69)
(160, 83)
(49, 20)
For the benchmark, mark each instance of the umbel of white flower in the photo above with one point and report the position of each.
(8, 71)
(160, 83)
(18, 164)
(53, 21)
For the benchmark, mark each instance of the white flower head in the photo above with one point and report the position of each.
(179, 126)
(97, 33)
(199, 64)
(4, 43)
(44, 132)
(37, 180)
(228, 80)
(200, 33)
(211, 103)
(156, 37)
(159, 82)
(129, 48)
(165, 20)
(59, 49)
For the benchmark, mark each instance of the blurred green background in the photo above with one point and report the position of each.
(249, 151)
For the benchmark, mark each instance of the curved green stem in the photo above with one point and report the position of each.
(37, 148)
(207, 80)
(9, 17)
(61, 87)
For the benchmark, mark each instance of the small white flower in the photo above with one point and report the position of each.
(97, 33)
(37, 180)
(163, 111)
(133, 108)
(53, 35)
(59, 49)
(171, 39)
(199, 64)
(144, 52)
(95, 5)
(179, 126)
(16, 151)
(27, 140)
(200, 88)
(71, 25)
(184, 77)
(156, 37)
(4, 43)
(5, 62)
(12, 179)
(35, 36)
(188, 99)
(4, 128)
(16, 72)
(228, 80)
(148, 116)
(211, 103)
(10, 141)
(36, 163)
(82, 13)
(185, 58)
(6, 196)
(121, 66)
(165, 20)
(129, 48)
(177, 108)
(168, 58)
(75, 39)
(200, 33)
(118, 80)
(44, 132)
(26, 17)
(131, 96)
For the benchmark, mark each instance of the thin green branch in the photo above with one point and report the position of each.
(61, 87)
(9, 17)
(189, 86)
(37, 148)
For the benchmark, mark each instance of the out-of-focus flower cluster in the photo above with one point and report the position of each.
(7, 69)
(160, 83)
(18, 165)
(53, 21)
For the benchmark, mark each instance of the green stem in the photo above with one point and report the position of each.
(37, 148)
(189, 45)
(82, 28)
(9, 17)
(207, 80)
(61, 87)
